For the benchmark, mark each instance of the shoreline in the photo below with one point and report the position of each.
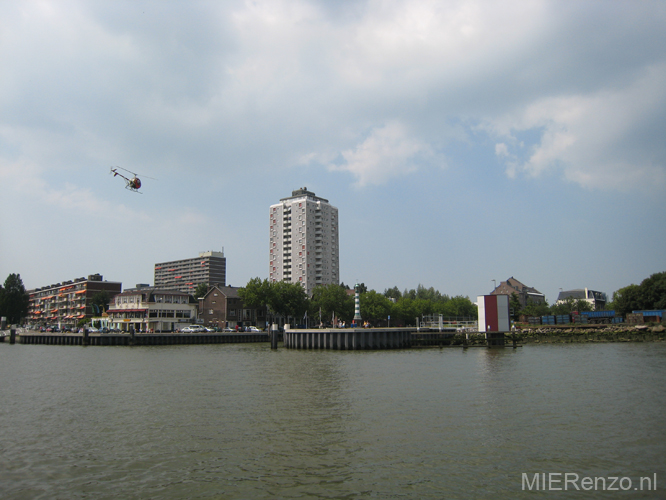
(584, 334)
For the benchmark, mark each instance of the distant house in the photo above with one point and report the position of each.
(596, 299)
(526, 294)
(222, 307)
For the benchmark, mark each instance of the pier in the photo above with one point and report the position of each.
(356, 339)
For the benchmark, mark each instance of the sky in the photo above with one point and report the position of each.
(461, 141)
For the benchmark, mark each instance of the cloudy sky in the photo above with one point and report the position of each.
(462, 141)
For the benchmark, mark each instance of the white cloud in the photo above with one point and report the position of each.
(388, 152)
(597, 140)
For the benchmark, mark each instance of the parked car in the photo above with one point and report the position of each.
(253, 329)
(228, 329)
(193, 329)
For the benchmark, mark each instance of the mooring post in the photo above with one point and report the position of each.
(274, 336)
(513, 336)
(12, 335)
(86, 339)
(131, 332)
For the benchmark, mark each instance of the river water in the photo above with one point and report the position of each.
(242, 421)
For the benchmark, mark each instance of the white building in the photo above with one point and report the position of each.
(597, 300)
(304, 245)
(148, 309)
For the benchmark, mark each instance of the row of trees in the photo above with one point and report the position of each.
(329, 301)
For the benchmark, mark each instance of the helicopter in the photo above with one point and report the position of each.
(132, 183)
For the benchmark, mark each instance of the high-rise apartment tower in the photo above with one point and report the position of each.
(304, 244)
(184, 275)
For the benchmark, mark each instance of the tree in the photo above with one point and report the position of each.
(375, 307)
(653, 292)
(514, 303)
(458, 306)
(626, 299)
(392, 293)
(287, 299)
(282, 298)
(100, 302)
(536, 308)
(201, 290)
(405, 311)
(429, 294)
(331, 299)
(256, 293)
(14, 300)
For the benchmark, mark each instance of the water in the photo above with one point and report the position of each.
(242, 421)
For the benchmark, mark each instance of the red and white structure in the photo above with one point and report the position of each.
(493, 313)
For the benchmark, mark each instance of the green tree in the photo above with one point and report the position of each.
(14, 300)
(331, 299)
(100, 302)
(458, 306)
(283, 299)
(392, 293)
(536, 308)
(514, 303)
(375, 307)
(653, 292)
(256, 293)
(405, 311)
(287, 299)
(626, 299)
(201, 290)
(429, 294)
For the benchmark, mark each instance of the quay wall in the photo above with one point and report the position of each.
(138, 339)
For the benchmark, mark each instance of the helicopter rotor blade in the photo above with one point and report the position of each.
(135, 174)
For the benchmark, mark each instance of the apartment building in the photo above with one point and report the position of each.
(65, 304)
(304, 241)
(185, 275)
